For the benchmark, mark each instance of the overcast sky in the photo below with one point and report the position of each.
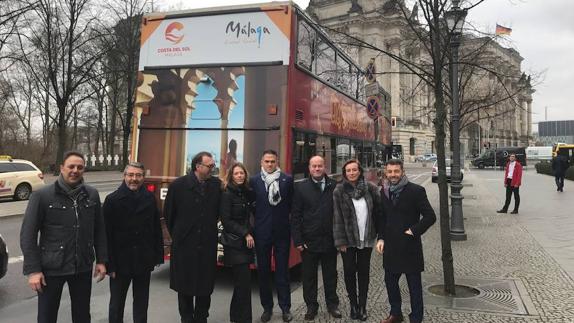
(542, 31)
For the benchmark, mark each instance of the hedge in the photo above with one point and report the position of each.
(545, 167)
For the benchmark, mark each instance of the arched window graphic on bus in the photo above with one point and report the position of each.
(219, 104)
(221, 110)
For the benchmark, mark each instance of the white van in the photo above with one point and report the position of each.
(535, 153)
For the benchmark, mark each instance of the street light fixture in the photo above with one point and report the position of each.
(455, 22)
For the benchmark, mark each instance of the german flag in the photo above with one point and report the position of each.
(501, 30)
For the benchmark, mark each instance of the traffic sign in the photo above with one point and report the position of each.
(373, 106)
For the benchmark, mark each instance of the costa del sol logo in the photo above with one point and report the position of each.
(174, 33)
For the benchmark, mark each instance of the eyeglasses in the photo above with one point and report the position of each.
(210, 166)
(136, 175)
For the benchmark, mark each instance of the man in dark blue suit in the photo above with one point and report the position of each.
(274, 192)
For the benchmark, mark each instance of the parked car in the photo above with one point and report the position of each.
(434, 172)
(19, 178)
(426, 158)
(3, 257)
(487, 159)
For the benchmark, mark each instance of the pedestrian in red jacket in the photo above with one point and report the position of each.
(512, 181)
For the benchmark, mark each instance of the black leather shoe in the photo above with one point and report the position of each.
(266, 316)
(335, 312)
(287, 317)
(514, 212)
(501, 211)
(310, 315)
(354, 312)
(362, 313)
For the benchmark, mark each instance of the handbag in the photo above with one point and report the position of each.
(228, 239)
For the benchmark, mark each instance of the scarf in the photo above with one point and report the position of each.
(396, 189)
(385, 187)
(272, 185)
(72, 192)
(133, 195)
(356, 191)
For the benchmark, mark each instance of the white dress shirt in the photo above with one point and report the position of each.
(511, 169)
(362, 212)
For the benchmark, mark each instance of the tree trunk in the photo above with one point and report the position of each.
(439, 123)
(62, 137)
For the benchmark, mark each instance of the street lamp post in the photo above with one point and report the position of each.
(455, 21)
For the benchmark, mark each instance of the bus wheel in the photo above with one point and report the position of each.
(480, 166)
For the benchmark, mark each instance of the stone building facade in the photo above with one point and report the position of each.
(382, 23)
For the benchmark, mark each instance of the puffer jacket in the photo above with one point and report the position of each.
(72, 232)
(236, 213)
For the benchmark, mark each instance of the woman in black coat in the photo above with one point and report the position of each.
(356, 204)
(238, 243)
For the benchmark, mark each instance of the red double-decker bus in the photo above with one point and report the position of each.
(235, 81)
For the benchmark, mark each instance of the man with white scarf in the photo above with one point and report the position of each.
(274, 191)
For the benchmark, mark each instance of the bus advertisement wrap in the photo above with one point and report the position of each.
(253, 37)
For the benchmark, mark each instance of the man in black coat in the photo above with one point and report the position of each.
(559, 167)
(407, 214)
(135, 243)
(312, 232)
(192, 212)
(273, 197)
(67, 215)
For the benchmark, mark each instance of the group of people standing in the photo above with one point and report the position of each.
(123, 237)
(260, 215)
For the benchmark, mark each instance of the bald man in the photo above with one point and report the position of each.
(312, 232)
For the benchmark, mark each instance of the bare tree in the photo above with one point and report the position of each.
(123, 65)
(20, 102)
(11, 12)
(425, 54)
(61, 36)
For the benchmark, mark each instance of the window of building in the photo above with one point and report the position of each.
(412, 143)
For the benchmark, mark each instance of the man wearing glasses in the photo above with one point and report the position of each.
(191, 209)
(135, 243)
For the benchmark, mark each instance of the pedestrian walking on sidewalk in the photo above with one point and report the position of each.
(192, 212)
(312, 232)
(512, 181)
(237, 239)
(356, 205)
(406, 215)
(135, 243)
(67, 215)
(274, 195)
(559, 166)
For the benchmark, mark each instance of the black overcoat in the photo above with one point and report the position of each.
(236, 216)
(560, 165)
(403, 253)
(312, 215)
(192, 210)
(135, 242)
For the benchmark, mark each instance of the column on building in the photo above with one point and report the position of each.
(529, 107)
(524, 132)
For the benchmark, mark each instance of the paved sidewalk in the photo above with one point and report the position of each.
(517, 278)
